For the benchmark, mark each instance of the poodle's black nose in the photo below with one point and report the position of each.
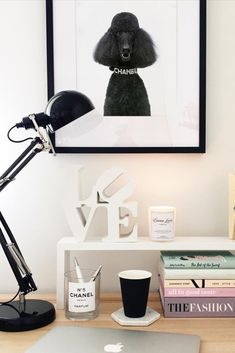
(126, 54)
(125, 44)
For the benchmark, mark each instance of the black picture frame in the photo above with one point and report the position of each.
(201, 148)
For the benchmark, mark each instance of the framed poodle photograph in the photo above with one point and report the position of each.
(142, 64)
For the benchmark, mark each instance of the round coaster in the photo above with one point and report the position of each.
(150, 316)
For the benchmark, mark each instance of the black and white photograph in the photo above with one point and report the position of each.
(142, 65)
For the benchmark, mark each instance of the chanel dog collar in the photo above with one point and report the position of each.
(119, 71)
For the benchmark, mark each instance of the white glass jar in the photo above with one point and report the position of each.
(162, 222)
(82, 295)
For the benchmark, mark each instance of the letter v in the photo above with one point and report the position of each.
(85, 216)
(79, 218)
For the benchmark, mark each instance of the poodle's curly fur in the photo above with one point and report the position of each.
(124, 48)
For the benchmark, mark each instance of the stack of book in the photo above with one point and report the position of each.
(197, 283)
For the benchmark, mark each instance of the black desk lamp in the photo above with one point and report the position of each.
(22, 314)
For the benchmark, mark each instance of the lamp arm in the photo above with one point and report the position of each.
(25, 280)
(16, 167)
(10, 247)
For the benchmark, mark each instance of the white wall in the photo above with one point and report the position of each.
(195, 184)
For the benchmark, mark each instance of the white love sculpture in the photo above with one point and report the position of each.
(115, 204)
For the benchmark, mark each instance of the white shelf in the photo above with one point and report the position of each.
(144, 243)
(68, 244)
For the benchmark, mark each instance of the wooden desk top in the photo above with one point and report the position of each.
(217, 335)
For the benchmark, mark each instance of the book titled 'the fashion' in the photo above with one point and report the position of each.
(198, 307)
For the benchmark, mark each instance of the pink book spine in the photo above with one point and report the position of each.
(197, 292)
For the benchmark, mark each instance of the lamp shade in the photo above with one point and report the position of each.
(66, 106)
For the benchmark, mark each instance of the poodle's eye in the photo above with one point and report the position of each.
(120, 33)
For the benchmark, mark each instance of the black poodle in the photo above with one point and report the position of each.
(124, 48)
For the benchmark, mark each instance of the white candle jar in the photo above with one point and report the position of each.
(162, 222)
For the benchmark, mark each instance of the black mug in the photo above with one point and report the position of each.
(135, 289)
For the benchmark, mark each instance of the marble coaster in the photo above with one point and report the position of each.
(150, 316)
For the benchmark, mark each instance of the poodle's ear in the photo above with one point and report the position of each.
(144, 53)
(106, 51)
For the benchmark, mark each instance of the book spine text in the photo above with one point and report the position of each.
(198, 307)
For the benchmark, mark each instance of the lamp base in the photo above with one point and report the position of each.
(34, 314)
